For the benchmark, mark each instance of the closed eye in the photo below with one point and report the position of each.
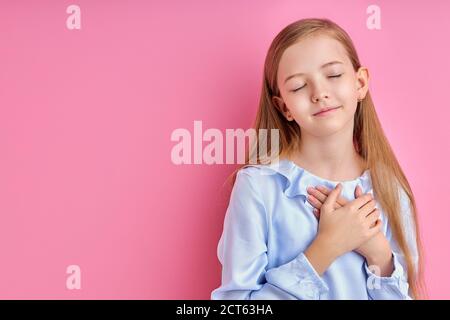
(334, 76)
(299, 88)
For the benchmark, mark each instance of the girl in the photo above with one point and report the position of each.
(334, 217)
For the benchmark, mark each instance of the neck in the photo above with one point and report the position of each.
(331, 157)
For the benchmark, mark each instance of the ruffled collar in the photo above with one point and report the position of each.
(299, 179)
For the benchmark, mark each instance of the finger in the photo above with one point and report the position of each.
(368, 208)
(373, 217)
(314, 202)
(358, 191)
(341, 201)
(317, 194)
(318, 204)
(373, 224)
(332, 197)
(361, 201)
(316, 213)
(377, 228)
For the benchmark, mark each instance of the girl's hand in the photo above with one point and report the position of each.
(317, 197)
(375, 248)
(319, 194)
(348, 227)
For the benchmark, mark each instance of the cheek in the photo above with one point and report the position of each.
(346, 91)
(299, 106)
(347, 95)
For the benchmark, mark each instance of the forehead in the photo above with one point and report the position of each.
(307, 55)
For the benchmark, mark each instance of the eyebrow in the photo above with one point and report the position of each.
(323, 66)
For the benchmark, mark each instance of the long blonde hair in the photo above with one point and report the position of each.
(369, 139)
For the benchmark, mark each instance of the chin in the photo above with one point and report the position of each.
(328, 129)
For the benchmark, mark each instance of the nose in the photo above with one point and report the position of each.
(319, 93)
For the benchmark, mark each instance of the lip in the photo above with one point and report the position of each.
(325, 111)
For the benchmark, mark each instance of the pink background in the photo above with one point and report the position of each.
(86, 117)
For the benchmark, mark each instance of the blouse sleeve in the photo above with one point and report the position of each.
(242, 252)
(396, 286)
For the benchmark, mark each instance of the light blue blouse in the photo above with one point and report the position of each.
(269, 224)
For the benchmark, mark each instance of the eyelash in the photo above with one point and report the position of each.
(335, 76)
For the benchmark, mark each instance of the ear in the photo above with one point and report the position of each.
(281, 106)
(362, 78)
